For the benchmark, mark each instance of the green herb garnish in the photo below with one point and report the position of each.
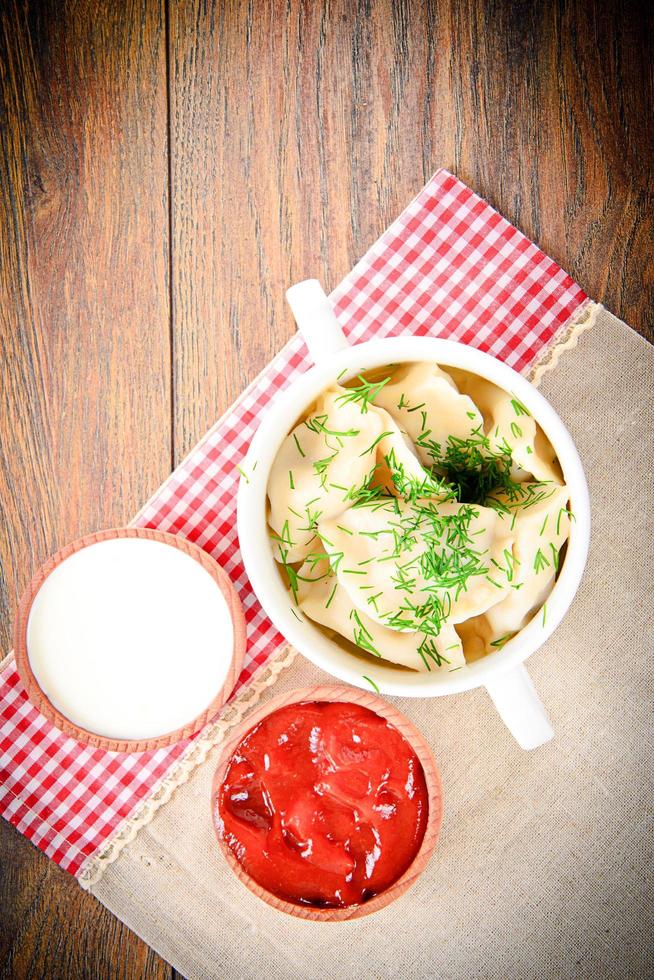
(518, 407)
(540, 562)
(362, 394)
(362, 637)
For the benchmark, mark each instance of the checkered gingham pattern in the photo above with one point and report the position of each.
(449, 266)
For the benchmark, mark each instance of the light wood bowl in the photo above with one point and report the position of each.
(338, 692)
(41, 701)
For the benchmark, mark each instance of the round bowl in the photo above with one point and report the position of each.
(339, 693)
(41, 700)
(280, 418)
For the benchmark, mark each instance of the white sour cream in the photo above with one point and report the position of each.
(130, 638)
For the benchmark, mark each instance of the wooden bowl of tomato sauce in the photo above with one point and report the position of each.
(327, 803)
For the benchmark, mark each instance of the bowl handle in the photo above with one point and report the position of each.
(315, 319)
(520, 708)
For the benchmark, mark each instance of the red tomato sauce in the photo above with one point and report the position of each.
(323, 804)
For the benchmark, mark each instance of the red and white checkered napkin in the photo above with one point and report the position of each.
(450, 266)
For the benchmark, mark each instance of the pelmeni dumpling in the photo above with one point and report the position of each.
(508, 425)
(428, 405)
(324, 601)
(540, 521)
(477, 637)
(415, 566)
(338, 448)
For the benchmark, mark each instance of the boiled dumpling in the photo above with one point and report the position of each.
(427, 404)
(337, 451)
(324, 601)
(415, 566)
(541, 523)
(510, 428)
(477, 636)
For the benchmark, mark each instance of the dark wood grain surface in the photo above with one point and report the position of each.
(169, 168)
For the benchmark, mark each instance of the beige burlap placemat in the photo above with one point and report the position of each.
(543, 862)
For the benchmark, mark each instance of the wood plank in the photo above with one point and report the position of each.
(85, 399)
(51, 929)
(552, 104)
(298, 131)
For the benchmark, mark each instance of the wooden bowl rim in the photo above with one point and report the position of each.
(417, 741)
(41, 701)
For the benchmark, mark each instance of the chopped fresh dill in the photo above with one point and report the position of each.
(372, 600)
(543, 526)
(371, 682)
(362, 394)
(511, 562)
(516, 431)
(499, 643)
(544, 613)
(291, 574)
(564, 510)
(428, 648)
(297, 615)
(290, 480)
(243, 474)
(540, 562)
(331, 596)
(284, 537)
(320, 467)
(345, 530)
(317, 425)
(518, 407)
(362, 637)
(299, 447)
(375, 443)
(472, 466)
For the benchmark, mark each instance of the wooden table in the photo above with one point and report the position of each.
(169, 168)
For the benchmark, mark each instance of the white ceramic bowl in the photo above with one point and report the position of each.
(500, 672)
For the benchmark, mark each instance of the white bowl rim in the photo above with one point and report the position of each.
(280, 418)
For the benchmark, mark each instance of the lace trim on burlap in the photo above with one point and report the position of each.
(197, 752)
(566, 340)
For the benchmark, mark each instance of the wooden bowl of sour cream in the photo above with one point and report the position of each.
(129, 639)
